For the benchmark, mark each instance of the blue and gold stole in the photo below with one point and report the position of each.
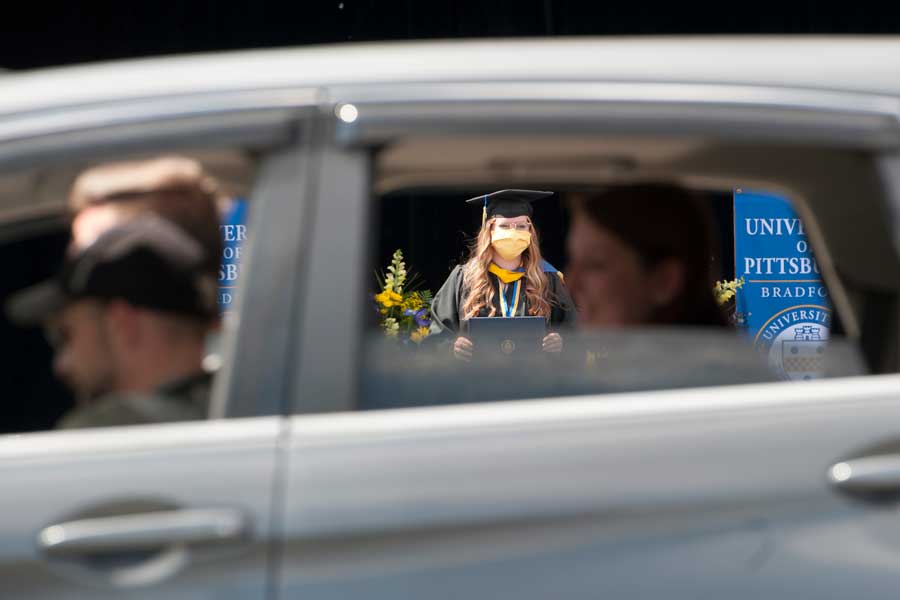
(506, 277)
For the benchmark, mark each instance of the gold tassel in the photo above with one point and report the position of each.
(483, 215)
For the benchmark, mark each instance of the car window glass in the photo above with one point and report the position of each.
(82, 202)
(619, 247)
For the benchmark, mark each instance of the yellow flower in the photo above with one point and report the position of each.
(388, 298)
(419, 334)
(412, 302)
(726, 290)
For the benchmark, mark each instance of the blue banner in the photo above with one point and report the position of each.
(783, 303)
(234, 231)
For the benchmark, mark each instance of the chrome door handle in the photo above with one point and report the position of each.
(873, 477)
(143, 531)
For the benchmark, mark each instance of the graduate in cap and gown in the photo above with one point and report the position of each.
(504, 276)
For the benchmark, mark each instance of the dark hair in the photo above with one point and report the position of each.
(661, 221)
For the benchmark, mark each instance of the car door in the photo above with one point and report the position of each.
(712, 492)
(743, 491)
(166, 511)
(178, 510)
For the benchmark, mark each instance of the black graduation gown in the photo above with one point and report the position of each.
(449, 299)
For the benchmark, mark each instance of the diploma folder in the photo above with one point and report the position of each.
(507, 336)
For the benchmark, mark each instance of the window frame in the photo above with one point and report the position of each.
(330, 307)
(387, 115)
(273, 122)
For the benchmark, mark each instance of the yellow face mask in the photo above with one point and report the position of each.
(510, 243)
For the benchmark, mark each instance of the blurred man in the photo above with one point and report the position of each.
(172, 187)
(128, 315)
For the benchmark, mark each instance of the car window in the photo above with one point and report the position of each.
(61, 367)
(654, 305)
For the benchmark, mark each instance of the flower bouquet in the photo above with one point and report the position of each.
(726, 290)
(405, 312)
(725, 293)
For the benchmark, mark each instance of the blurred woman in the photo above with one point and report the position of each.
(641, 254)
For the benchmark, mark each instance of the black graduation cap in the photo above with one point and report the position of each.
(508, 203)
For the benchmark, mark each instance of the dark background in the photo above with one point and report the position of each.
(435, 229)
(39, 34)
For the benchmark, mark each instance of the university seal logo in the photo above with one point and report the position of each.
(507, 347)
(793, 341)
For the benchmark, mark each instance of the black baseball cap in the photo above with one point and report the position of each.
(508, 203)
(148, 262)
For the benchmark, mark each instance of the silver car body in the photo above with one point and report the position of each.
(677, 493)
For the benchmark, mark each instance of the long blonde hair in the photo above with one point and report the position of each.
(479, 293)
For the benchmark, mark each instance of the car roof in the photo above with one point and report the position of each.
(852, 64)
